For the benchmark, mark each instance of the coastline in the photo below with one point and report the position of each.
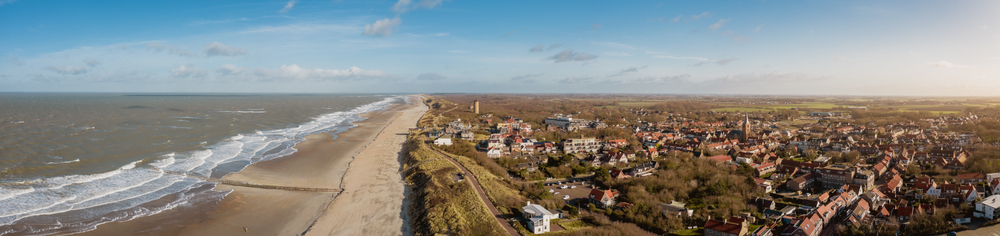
(319, 162)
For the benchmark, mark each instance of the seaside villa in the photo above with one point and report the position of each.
(538, 218)
(443, 141)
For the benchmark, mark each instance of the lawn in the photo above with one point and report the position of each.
(685, 232)
(573, 225)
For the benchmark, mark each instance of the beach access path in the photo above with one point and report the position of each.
(479, 190)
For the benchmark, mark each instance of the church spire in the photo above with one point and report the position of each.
(746, 126)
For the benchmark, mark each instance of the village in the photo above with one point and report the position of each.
(825, 176)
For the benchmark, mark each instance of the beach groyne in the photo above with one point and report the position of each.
(253, 185)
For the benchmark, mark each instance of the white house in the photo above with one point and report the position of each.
(443, 141)
(494, 153)
(988, 208)
(538, 218)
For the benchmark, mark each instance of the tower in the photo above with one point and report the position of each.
(477, 106)
(746, 126)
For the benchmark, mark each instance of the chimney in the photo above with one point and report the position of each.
(529, 203)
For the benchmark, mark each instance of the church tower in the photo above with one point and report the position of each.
(746, 126)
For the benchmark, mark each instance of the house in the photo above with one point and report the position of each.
(764, 230)
(988, 208)
(905, 213)
(494, 153)
(721, 159)
(801, 182)
(764, 168)
(676, 208)
(618, 174)
(602, 198)
(970, 178)
(735, 226)
(537, 217)
(643, 169)
(443, 141)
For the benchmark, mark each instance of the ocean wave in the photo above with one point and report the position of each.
(62, 162)
(93, 199)
(243, 111)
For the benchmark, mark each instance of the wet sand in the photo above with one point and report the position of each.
(319, 162)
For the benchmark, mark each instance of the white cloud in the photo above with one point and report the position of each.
(569, 55)
(431, 76)
(675, 80)
(5, 2)
(405, 5)
(773, 77)
(157, 47)
(943, 64)
(15, 61)
(657, 55)
(229, 69)
(219, 49)
(678, 18)
(288, 6)
(596, 26)
(154, 47)
(627, 70)
(718, 24)
(382, 28)
(294, 72)
(67, 70)
(525, 78)
(91, 62)
(723, 62)
(699, 16)
(188, 72)
(540, 48)
(575, 80)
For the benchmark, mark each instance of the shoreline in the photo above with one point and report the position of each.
(320, 161)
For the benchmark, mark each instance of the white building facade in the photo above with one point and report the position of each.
(538, 218)
(988, 208)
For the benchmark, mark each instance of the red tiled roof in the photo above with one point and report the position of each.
(732, 228)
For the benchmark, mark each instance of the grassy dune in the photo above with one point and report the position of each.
(439, 205)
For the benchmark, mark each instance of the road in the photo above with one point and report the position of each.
(479, 190)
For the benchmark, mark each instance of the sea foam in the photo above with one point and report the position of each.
(76, 203)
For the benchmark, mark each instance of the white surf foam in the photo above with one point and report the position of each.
(118, 192)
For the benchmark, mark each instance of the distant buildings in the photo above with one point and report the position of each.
(581, 145)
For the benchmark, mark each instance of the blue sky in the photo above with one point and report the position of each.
(949, 48)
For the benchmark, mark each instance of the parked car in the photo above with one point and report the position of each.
(565, 197)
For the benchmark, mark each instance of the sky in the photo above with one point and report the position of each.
(773, 47)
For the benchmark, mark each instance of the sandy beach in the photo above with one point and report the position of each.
(363, 162)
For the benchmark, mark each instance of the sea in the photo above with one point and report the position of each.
(70, 162)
